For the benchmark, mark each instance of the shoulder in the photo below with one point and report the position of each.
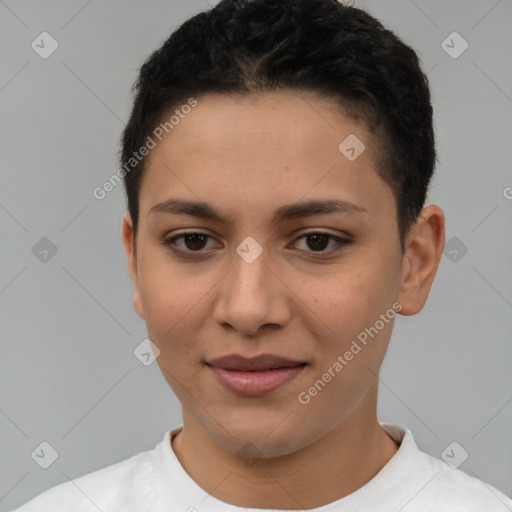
(453, 490)
(429, 483)
(125, 485)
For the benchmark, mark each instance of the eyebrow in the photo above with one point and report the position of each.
(296, 210)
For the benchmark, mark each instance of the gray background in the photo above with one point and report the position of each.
(68, 372)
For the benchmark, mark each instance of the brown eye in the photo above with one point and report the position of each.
(195, 241)
(190, 242)
(318, 241)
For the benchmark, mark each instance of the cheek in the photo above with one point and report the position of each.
(348, 361)
(350, 304)
(352, 299)
(171, 298)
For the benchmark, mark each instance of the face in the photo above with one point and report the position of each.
(238, 278)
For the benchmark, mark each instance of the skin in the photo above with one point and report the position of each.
(247, 157)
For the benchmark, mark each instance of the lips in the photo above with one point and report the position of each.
(258, 363)
(252, 377)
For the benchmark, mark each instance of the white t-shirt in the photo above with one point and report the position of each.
(155, 481)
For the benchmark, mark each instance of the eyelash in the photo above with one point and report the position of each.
(341, 243)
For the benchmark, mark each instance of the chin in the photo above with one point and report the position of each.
(260, 437)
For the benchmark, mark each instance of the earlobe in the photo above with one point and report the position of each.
(130, 248)
(423, 251)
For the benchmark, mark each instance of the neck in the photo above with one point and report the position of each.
(336, 465)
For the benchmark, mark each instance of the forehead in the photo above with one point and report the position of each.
(260, 150)
(295, 120)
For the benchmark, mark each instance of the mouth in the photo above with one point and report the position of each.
(255, 376)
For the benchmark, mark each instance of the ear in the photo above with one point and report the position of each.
(130, 248)
(423, 250)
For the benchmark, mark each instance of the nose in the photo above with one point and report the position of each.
(252, 297)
